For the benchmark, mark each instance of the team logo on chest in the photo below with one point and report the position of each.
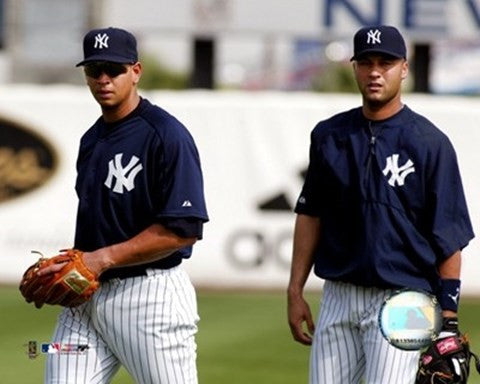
(124, 176)
(397, 173)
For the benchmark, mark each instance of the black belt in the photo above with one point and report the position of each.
(140, 270)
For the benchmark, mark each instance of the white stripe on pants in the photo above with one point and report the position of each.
(145, 323)
(348, 346)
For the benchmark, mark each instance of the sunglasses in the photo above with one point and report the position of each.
(95, 70)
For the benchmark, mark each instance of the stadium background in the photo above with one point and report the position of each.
(250, 89)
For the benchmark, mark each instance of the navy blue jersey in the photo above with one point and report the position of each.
(141, 170)
(389, 197)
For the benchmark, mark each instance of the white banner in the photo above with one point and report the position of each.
(419, 19)
(254, 148)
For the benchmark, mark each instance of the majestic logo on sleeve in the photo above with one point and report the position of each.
(124, 176)
(373, 36)
(397, 173)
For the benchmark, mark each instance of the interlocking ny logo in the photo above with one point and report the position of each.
(398, 174)
(101, 41)
(125, 177)
(373, 36)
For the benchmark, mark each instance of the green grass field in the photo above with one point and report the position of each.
(243, 338)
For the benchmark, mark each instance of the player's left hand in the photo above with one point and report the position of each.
(63, 279)
(447, 359)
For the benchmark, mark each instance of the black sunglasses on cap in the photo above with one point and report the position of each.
(95, 70)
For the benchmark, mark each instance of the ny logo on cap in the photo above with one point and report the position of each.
(101, 41)
(373, 36)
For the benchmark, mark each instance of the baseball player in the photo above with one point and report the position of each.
(141, 208)
(382, 208)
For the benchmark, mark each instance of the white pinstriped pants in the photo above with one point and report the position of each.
(145, 323)
(348, 346)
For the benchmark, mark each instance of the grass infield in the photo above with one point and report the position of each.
(243, 338)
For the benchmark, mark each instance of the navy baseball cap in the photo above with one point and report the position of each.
(383, 39)
(109, 44)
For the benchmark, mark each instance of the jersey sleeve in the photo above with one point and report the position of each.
(184, 227)
(307, 203)
(451, 225)
(181, 186)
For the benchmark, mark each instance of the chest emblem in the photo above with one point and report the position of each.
(397, 173)
(124, 176)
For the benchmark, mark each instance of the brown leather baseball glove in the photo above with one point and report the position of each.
(72, 285)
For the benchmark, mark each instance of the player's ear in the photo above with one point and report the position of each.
(404, 69)
(137, 72)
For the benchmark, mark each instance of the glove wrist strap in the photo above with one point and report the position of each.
(450, 324)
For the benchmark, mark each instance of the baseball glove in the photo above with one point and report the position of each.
(72, 285)
(447, 359)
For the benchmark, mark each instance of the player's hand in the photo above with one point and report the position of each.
(53, 268)
(91, 260)
(300, 315)
(95, 261)
(63, 279)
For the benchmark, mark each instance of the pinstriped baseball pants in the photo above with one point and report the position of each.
(348, 346)
(145, 323)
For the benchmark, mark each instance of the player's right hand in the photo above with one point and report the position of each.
(299, 316)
